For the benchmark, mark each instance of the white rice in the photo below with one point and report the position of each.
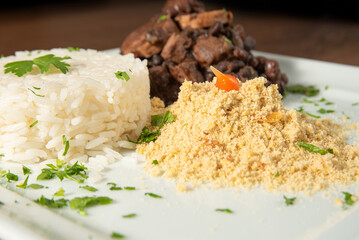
(89, 105)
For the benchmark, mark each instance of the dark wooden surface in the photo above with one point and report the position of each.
(104, 24)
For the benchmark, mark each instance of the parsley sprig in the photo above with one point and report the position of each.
(309, 91)
(20, 68)
(158, 121)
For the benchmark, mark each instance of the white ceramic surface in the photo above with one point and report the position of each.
(258, 214)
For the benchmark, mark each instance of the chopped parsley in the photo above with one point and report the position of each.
(326, 87)
(315, 149)
(89, 188)
(114, 187)
(154, 162)
(348, 199)
(309, 91)
(59, 193)
(24, 184)
(324, 111)
(300, 109)
(131, 215)
(129, 188)
(67, 145)
(117, 235)
(1, 203)
(225, 210)
(276, 175)
(122, 75)
(72, 49)
(11, 177)
(228, 40)
(153, 195)
(26, 170)
(51, 203)
(156, 120)
(355, 104)
(35, 186)
(289, 201)
(80, 203)
(38, 95)
(67, 171)
(33, 124)
(162, 18)
(312, 115)
(20, 68)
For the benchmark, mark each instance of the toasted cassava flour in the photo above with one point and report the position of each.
(247, 138)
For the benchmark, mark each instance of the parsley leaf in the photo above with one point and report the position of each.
(35, 186)
(161, 119)
(117, 235)
(24, 184)
(20, 68)
(72, 49)
(51, 203)
(131, 215)
(59, 193)
(114, 187)
(80, 203)
(309, 91)
(348, 199)
(122, 75)
(323, 111)
(289, 201)
(11, 177)
(26, 170)
(315, 149)
(68, 172)
(154, 162)
(153, 195)
(226, 210)
(145, 136)
(34, 123)
(129, 188)
(89, 188)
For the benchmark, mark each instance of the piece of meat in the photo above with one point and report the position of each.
(175, 7)
(247, 73)
(187, 70)
(205, 19)
(208, 50)
(150, 38)
(175, 48)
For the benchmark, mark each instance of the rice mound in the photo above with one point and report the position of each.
(247, 139)
(88, 105)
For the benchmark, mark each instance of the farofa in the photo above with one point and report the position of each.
(247, 138)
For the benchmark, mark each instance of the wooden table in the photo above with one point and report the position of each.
(104, 24)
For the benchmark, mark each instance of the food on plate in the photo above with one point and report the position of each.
(70, 104)
(183, 41)
(246, 138)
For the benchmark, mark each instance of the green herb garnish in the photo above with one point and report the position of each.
(315, 149)
(131, 215)
(68, 172)
(154, 162)
(355, 104)
(38, 95)
(153, 195)
(11, 177)
(289, 201)
(72, 49)
(117, 235)
(161, 119)
(309, 91)
(26, 170)
(324, 111)
(24, 184)
(300, 109)
(348, 199)
(312, 115)
(59, 193)
(276, 175)
(89, 188)
(67, 145)
(20, 68)
(228, 40)
(35, 186)
(114, 187)
(1, 203)
(162, 18)
(80, 203)
(33, 124)
(226, 210)
(122, 75)
(129, 188)
(51, 203)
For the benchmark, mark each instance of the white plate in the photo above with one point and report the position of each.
(258, 214)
